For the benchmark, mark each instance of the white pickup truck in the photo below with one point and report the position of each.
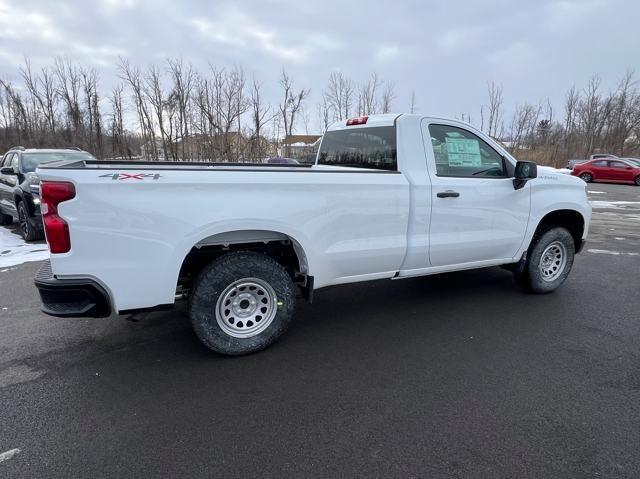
(390, 197)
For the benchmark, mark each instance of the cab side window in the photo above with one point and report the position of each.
(14, 161)
(460, 153)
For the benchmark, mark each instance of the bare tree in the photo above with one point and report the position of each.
(412, 103)
(625, 114)
(593, 113)
(132, 76)
(183, 81)
(523, 124)
(160, 106)
(260, 116)
(324, 113)
(367, 96)
(494, 108)
(16, 117)
(69, 84)
(388, 95)
(42, 89)
(93, 128)
(339, 95)
(119, 147)
(291, 102)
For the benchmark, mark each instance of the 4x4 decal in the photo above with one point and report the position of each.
(127, 176)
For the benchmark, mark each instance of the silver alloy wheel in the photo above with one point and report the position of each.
(553, 261)
(586, 177)
(22, 220)
(246, 307)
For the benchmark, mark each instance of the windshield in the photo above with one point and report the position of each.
(634, 161)
(30, 161)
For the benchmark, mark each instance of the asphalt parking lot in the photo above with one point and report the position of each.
(457, 375)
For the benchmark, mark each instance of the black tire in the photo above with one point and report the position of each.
(5, 220)
(637, 180)
(586, 177)
(217, 279)
(532, 279)
(27, 228)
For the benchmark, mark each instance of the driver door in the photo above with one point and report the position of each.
(477, 215)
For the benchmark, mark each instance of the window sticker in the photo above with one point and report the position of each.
(463, 152)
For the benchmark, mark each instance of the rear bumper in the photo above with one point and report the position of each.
(68, 298)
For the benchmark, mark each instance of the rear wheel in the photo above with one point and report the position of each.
(242, 303)
(27, 229)
(549, 262)
(587, 177)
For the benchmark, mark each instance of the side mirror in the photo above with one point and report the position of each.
(8, 170)
(525, 171)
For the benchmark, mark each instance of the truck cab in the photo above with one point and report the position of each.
(467, 209)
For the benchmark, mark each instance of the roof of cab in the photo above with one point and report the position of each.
(386, 119)
(389, 119)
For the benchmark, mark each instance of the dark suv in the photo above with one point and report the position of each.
(20, 186)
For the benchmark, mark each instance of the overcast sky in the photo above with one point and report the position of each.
(445, 51)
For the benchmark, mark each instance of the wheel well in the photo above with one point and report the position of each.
(284, 250)
(569, 219)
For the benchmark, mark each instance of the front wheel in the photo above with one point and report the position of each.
(549, 262)
(637, 180)
(242, 303)
(587, 177)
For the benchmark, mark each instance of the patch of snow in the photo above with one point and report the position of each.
(597, 192)
(614, 253)
(5, 456)
(615, 205)
(604, 251)
(17, 374)
(14, 250)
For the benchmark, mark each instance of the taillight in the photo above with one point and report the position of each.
(362, 120)
(52, 193)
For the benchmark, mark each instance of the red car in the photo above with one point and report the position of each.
(608, 169)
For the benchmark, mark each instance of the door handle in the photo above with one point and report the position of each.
(448, 194)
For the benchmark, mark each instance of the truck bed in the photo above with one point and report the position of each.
(135, 222)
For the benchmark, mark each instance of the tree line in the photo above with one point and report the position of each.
(173, 111)
(592, 120)
(170, 111)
